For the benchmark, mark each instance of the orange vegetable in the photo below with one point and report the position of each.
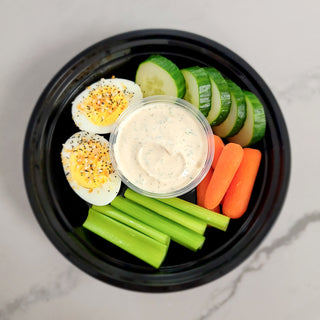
(216, 209)
(227, 165)
(202, 188)
(218, 146)
(238, 195)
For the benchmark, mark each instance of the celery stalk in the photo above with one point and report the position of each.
(120, 216)
(213, 219)
(177, 232)
(143, 247)
(167, 211)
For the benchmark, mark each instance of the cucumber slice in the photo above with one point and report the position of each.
(237, 115)
(160, 76)
(220, 98)
(198, 88)
(254, 127)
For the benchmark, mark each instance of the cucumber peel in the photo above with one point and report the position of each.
(198, 88)
(254, 126)
(220, 98)
(158, 75)
(237, 115)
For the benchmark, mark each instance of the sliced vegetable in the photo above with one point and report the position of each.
(213, 219)
(216, 209)
(238, 195)
(160, 76)
(143, 247)
(198, 88)
(220, 97)
(178, 233)
(254, 126)
(227, 165)
(120, 216)
(237, 115)
(169, 212)
(218, 147)
(202, 188)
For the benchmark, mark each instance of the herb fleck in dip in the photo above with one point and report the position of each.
(160, 147)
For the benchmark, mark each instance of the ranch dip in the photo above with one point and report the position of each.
(160, 147)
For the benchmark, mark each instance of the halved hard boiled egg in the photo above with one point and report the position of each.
(97, 108)
(88, 168)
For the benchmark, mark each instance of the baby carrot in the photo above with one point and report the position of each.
(238, 195)
(218, 146)
(216, 209)
(226, 167)
(202, 188)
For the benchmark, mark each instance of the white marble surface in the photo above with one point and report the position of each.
(281, 40)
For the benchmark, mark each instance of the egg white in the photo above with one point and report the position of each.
(98, 196)
(131, 91)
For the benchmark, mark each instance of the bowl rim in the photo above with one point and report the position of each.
(161, 282)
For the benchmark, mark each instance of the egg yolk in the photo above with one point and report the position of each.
(90, 164)
(104, 104)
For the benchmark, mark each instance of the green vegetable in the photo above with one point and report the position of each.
(160, 76)
(213, 219)
(143, 247)
(237, 115)
(169, 212)
(120, 216)
(220, 98)
(198, 88)
(177, 232)
(254, 126)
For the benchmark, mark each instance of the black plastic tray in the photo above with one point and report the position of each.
(60, 212)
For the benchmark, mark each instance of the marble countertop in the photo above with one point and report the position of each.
(281, 40)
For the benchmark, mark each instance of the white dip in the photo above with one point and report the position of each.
(160, 147)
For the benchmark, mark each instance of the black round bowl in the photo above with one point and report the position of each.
(60, 212)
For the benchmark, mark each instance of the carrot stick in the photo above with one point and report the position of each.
(216, 209)
(226, 167)
(202, 188)
(238, 195)
(201, 191)
(218, 146)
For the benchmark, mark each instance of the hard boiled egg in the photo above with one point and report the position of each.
(88, 168)
(97, 108)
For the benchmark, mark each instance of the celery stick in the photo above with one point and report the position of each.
(167, 211)
(213, 219)
(177, 232)
(147, 249)
(120, 216)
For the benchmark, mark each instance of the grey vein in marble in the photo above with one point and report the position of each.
(258, 260)
(64, 283)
